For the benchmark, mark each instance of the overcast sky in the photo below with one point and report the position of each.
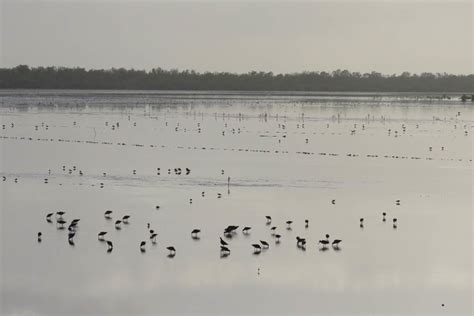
(386, 36)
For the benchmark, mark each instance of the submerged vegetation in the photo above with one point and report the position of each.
(23, 76)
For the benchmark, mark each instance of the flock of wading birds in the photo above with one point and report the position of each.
(229, 231)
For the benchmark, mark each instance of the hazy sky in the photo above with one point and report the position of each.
(237, 36)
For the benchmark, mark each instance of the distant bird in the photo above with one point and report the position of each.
(142, 245)
(195, 232)
(394, 220)
(108, 214)
(153, 237)
(172, 250)
(265, 245)
(125, 219)
(151, 231)
(117, 224)
(277, 236)
(327, 236)
(289, 224)
(306, 223)
(225, 249)
(230, 229)
(300, 242)
(39, 236)
(48, 217)
(70, 236)
(157, 207)
(273, 230)
(110, 244)
(223, 242)
(101, 235)
(256, 247)
(384, 214)
(303, 244)
(246, 229)
(269, 219)
(336, 242)
(361, 221)
(61, 222)
(60, 214)
(333, 202)
(324, 242)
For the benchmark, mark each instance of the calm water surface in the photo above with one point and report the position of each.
(287, 156)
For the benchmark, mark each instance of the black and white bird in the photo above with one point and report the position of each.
(225, 249)
(246, 229)
(324, 242)
(273, 229)
(61, 223)
(195, 232)
(48, 217)
(223, 242)
(256, 248)
(172, 250)
(269, 219)
(277, 236)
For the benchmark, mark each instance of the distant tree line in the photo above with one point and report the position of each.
(23, 76)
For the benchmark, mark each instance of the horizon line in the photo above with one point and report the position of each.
(330, 72)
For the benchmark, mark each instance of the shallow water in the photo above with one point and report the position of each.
(287, 156)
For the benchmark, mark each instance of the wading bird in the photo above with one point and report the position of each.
(172, 250)
(101, 235)
(223, 242)
(195, 232)
(256, 248)
(48, 217)
(110, 245)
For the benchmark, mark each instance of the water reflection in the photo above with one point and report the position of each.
(282, 165)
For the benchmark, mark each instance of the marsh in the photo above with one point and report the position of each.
(330, 159)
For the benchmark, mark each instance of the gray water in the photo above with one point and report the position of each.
(287, 156)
